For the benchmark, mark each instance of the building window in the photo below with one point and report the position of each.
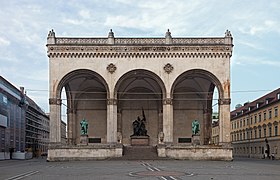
(264, 116)
(251, 134)
(269, 114)
(278, 96)
(260, 117)
(260, 133)
(255, 132)
(269, 131)
(276, 112)
(276, 130)
(240, 136)
(264, 132)
(255, 119)
(241, 123)
(251, 120)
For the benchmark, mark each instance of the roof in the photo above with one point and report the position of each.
(261, 102)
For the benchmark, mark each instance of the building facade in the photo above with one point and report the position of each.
(112, 81)
(37, 128)
(12, 118)
(255, 129)
(23, 125)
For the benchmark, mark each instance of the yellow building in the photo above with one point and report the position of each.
(215, 132)
(254, 128)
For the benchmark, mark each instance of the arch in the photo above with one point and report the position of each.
(86, 96)
(79, 72)
(192, 93)
(139, 92)
(135, 72)
(200, 73)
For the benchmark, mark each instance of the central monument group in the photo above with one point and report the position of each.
(155, 92)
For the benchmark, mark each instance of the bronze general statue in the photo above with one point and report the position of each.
(195, 127)
(84, 126)
(139, 128)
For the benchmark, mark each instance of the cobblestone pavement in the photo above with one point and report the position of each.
(238, 169)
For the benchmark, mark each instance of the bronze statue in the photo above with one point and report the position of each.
(139, 128)
(195, 127)
(84, 126)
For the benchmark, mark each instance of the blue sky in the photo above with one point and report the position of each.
(255, 26)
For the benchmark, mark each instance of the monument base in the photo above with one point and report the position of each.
(139, 140)
(195, 140)
(84, 139)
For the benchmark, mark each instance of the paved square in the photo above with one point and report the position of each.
(121, 170)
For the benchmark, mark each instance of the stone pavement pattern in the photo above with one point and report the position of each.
(140, 169)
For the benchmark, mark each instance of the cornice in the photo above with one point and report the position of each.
(55, 51)
(139, 41)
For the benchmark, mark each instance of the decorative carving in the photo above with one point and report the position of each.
(111, 101)
(167, 101)
(55, 101)
(111, 68)
(224, 101)
(168, 68)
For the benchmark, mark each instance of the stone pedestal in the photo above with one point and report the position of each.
(139, 140)
(84, 139)
(195, 140)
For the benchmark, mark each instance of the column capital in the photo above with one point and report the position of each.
(112, 101)
(55, 101)
(167, 101)
(225, 101)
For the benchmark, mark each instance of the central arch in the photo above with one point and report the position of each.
(136, 90)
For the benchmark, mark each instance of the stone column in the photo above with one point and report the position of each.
(112, 121)
(224, 122)
(207, 125)
(168, 120)
(71, 126)
(55, 120)
(160, 123)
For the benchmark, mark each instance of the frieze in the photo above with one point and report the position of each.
(55, 101)
(137, 55)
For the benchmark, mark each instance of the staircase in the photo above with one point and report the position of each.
(140, 153)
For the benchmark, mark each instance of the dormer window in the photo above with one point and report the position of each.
(258, 105)
(266, 101)
(278, 96)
